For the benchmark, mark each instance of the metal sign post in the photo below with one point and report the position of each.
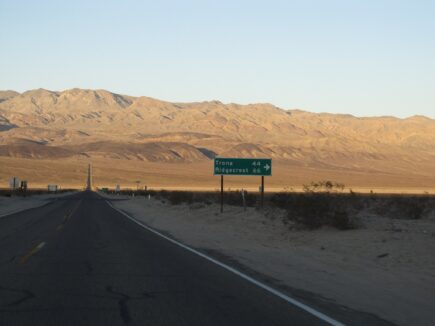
(14, 184)
(262, 191)
(222, 193)
(242, 166)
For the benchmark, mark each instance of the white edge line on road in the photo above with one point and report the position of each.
(279, 294)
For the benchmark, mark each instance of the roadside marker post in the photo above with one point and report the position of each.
(242, 166)
(244, 199)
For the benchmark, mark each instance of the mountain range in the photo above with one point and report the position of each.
(95, 124)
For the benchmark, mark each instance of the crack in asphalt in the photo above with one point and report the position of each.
(122, 303)
(123, 300)
(27, 295)
(8, 260)
(149, 295)
(89, 268)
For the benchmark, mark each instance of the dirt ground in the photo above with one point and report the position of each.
(199, 176)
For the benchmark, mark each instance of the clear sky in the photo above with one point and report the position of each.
(363, 57)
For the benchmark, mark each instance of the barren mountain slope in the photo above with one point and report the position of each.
(80, 122)
(5, 95)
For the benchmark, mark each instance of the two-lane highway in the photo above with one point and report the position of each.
(77, 261)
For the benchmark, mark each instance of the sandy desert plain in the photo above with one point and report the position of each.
(199, 176)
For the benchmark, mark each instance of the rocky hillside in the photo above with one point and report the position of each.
(97, 123)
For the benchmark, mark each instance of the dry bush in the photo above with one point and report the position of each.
(314, 210)
(233, 198)
(323, 186)
(403, 206)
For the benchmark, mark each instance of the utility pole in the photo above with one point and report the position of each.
(89, 182)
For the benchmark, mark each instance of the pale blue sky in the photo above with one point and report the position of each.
(366, 57)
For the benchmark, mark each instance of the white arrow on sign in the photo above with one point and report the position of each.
(267, 167)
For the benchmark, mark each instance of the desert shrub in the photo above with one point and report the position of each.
(5, 193)
(323, 186)
(173, 197)
(180, 197)
(406, 207)
(414, 209)
(183, 197)
(188, 197)
(342, 221)
(235, 198)
(314, 210)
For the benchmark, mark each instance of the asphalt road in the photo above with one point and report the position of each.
(77, 261)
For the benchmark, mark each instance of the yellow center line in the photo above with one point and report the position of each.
(32, 252)
(68, 216)
(74, 209)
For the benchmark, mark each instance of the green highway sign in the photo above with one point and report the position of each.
(242, 166)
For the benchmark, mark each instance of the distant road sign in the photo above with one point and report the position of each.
(242, 166)
(53, 188)
(14, 183)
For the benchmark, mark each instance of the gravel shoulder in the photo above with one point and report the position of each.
(11, 205)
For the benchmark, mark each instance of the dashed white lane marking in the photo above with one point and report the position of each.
(269, 289)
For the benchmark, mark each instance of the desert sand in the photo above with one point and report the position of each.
(70, 173)
(15, 204)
